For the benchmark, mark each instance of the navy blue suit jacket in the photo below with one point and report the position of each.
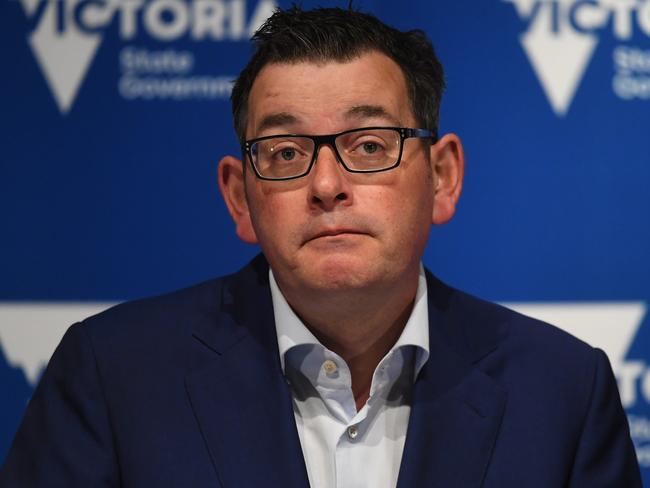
(186, 390)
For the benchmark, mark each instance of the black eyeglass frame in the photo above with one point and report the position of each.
(330, 139)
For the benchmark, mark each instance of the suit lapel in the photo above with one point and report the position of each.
(244, 410)
(456, 408)
(240, 398)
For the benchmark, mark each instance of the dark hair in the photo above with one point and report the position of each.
(325, 34)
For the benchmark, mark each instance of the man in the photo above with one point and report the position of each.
(334, 359)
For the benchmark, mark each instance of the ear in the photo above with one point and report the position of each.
(233, 189)
(448, 165)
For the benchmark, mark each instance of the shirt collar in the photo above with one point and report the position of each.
(291, 332)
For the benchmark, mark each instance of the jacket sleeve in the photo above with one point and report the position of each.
(605, 456)
(65, 436)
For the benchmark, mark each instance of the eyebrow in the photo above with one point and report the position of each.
(276, 120)
(282, 119)
(371, 111)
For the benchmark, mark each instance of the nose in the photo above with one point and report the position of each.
(329, 185)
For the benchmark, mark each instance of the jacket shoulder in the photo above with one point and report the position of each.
(158, 314)
(159, 327)
(481, 327)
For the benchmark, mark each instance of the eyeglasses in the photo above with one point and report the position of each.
(365, 150)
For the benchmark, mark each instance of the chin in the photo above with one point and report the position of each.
(341, 272)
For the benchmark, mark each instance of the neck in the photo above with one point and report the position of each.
(360, 326)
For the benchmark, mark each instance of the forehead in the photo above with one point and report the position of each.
(329, 96)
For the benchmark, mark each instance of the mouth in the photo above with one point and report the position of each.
(335, 232)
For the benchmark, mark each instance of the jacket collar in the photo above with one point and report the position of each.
(240, 398)
(244, 409)
(457, 409)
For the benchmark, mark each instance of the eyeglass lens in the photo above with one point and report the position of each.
(363, 150)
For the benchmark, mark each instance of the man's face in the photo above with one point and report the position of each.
(333, 230)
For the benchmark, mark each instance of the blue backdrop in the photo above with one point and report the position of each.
(114, 115)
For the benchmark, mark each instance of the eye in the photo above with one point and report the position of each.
(287, 153)
(370, 147)
(367, 146)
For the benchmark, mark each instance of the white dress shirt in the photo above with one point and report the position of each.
(343, 447)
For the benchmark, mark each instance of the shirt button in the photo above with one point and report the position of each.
(330, 366)
(353, 432)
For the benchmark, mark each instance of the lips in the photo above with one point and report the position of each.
(333, 232)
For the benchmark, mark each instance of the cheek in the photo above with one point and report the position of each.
(405, 202)
(274, 220)
(408, 215)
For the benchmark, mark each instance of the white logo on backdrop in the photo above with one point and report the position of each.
(562, 36)
(613, 328)
(29, 333)
(69, 32)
